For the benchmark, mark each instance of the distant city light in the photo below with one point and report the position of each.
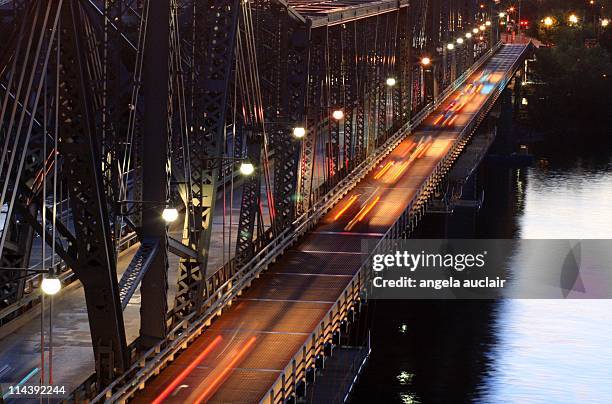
(468, 35)
(488, 23)
(450, 46)
(475, 30)
(425, 61)
(548, 21)
(391, 81)
(573, 19)
(605, 22)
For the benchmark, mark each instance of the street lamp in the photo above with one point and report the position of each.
(459, 41)
(573, 19)
(482, 27)
(605, 22)
(468, 35)
(475, 30)
(247, 168)
(170, 215)
(548, 22)
(391, 81)
(488, 23)
(450, 46)
(50, 285)
(338, 114)
(299, 132)
(425, 61)
(502, 15)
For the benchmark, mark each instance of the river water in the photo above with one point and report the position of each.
(512, 351)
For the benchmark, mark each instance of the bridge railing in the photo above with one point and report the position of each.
(223, 291)
(296, 373)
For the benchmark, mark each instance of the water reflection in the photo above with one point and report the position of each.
(536, 351)
(557, 350)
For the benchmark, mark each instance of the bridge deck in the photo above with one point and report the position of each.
(255, 339)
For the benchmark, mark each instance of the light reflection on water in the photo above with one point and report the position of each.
(556, 350)
(551, 351)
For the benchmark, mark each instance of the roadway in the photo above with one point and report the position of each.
(240, 356)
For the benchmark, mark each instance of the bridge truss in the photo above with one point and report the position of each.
(113, 110)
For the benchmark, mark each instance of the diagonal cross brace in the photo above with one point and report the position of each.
(138, 267)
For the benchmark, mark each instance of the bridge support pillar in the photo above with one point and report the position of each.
(154, 285)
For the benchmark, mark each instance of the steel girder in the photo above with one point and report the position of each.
(295, 46)
(362, 36)
(66, 69)
(251, 128)
(403, 54)
(250, 207)
(282, 59)
(351, 97)
(212, 59)
(109, 115)
(282, 44)
(155, 175)
(313, 116)
(95, 263)
(334, 95)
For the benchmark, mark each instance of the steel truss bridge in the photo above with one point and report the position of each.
(113, 112)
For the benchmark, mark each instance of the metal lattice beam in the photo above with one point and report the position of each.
(95, 264)
(213, 64)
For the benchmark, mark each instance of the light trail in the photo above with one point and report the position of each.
(452, 121)
(421, 145)
(437, 121)
(350, 202)
(426, 148)
(410, 148)
(168, 390)
(212, 387)
(461, 105)
(384, 170)
(400, 170)
(368, 209)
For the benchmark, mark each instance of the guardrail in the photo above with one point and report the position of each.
(222, 292)
(285, 385)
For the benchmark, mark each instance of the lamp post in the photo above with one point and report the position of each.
(50, 285)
